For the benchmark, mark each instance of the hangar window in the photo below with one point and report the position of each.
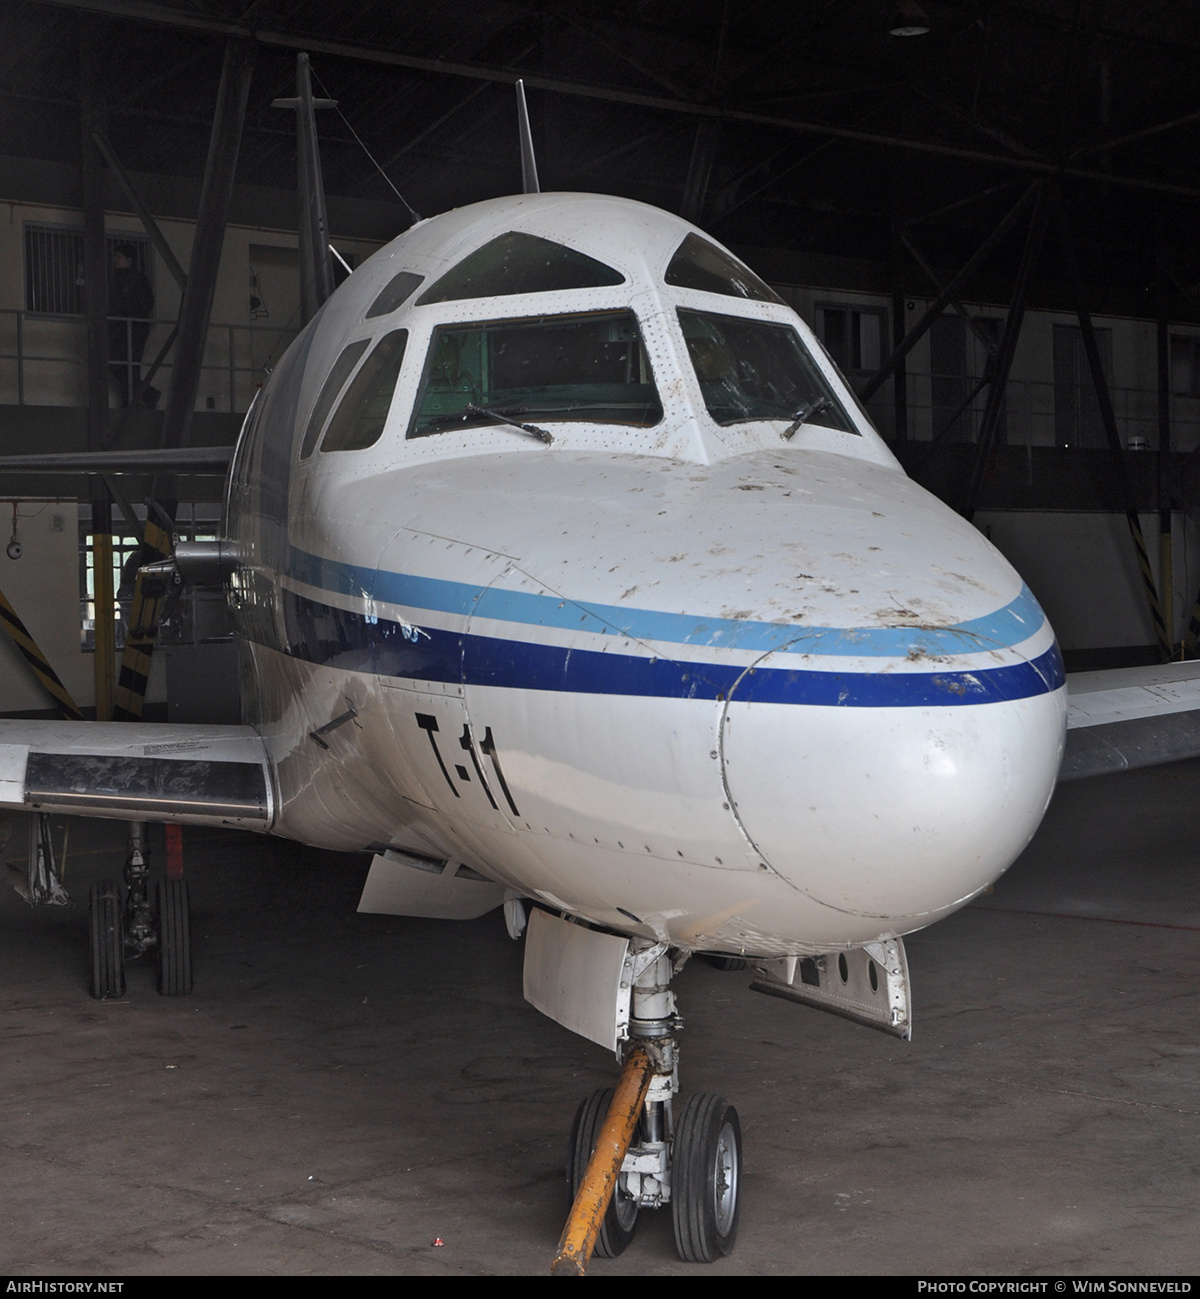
(751, 369)
(518, 263)
(1185, 365)
(395, 292)
(328, 394)
(54, 266)
(1077, 418)
(359, 419)
(592, 366)
(853, 336)
(697, 264)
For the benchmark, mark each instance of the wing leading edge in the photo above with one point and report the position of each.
(1131, 717)
(144, 771)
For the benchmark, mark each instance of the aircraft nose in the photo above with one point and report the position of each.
(886, 790)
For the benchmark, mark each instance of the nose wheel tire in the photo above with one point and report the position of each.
(174, 939)
(706, 1168)
(106, 941)
(620, 1218)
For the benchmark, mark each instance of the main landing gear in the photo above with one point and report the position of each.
(120, 931)
(630, 1150)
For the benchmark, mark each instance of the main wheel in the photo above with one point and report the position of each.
(174, 939)
(106, 941)
(706, 1169)
(620, 1218)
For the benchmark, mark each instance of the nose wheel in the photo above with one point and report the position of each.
(629, 1152)
(706, 1167)
(620, 1218)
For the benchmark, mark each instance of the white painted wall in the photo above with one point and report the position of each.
(1083, 569)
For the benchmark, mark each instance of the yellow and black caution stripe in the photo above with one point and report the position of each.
(143, 631)
(24, 642)
(1156, 614)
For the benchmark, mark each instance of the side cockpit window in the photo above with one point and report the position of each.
(328, 394)
(697, 264)
(588, 366)
(394, 294)
(758, 370)
(519, 263)
(359, 419)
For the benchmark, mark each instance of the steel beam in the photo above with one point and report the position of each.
(95, 268)
(1002, 361)
(151, 227)
(1166, 546)
(143, 11)
(939, 304)
(215, 195)
(989, 344)
(704, 154)
(1109, 419)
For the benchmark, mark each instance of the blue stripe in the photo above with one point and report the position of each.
(351, 641)
(1010, 625)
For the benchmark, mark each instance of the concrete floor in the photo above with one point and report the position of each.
(342, 1089)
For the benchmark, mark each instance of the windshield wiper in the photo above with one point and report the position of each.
(805, 413)
(506, 417)
(499, 416)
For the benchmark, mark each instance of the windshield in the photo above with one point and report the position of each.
(753, 369)
(587, 366)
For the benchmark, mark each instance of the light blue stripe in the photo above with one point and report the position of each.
(1010, 625)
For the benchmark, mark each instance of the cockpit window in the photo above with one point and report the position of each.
(754, 369)
(396, 291)
(328, 394)
(697, 264)
(590, 366)
(362, 413)
(517, 263)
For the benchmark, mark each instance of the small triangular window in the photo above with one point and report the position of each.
(395, 292)
(697, 264)
(519, 263)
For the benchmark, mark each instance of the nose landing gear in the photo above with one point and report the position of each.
(693, 1163)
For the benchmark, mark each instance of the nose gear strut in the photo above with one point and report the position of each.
(628, 1151)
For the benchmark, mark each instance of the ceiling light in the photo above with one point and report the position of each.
(910, 20)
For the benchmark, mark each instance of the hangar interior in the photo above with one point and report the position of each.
(975, 204)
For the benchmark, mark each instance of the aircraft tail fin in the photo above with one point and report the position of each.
(529, 176)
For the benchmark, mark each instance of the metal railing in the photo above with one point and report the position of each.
(1031, 417)
(43, 363)
(43, 360)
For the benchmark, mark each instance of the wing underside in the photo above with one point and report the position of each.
(1131, 717)
(145, 771)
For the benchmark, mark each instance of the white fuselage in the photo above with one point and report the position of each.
(686, 678)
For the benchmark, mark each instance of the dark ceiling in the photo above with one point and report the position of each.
(775, 124)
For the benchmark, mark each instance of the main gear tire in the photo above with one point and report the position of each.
(106, 941)
(174, 939)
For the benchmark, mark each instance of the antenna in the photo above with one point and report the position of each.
(529, 176)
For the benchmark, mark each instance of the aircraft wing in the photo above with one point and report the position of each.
(137, 771)
(1131, 717)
